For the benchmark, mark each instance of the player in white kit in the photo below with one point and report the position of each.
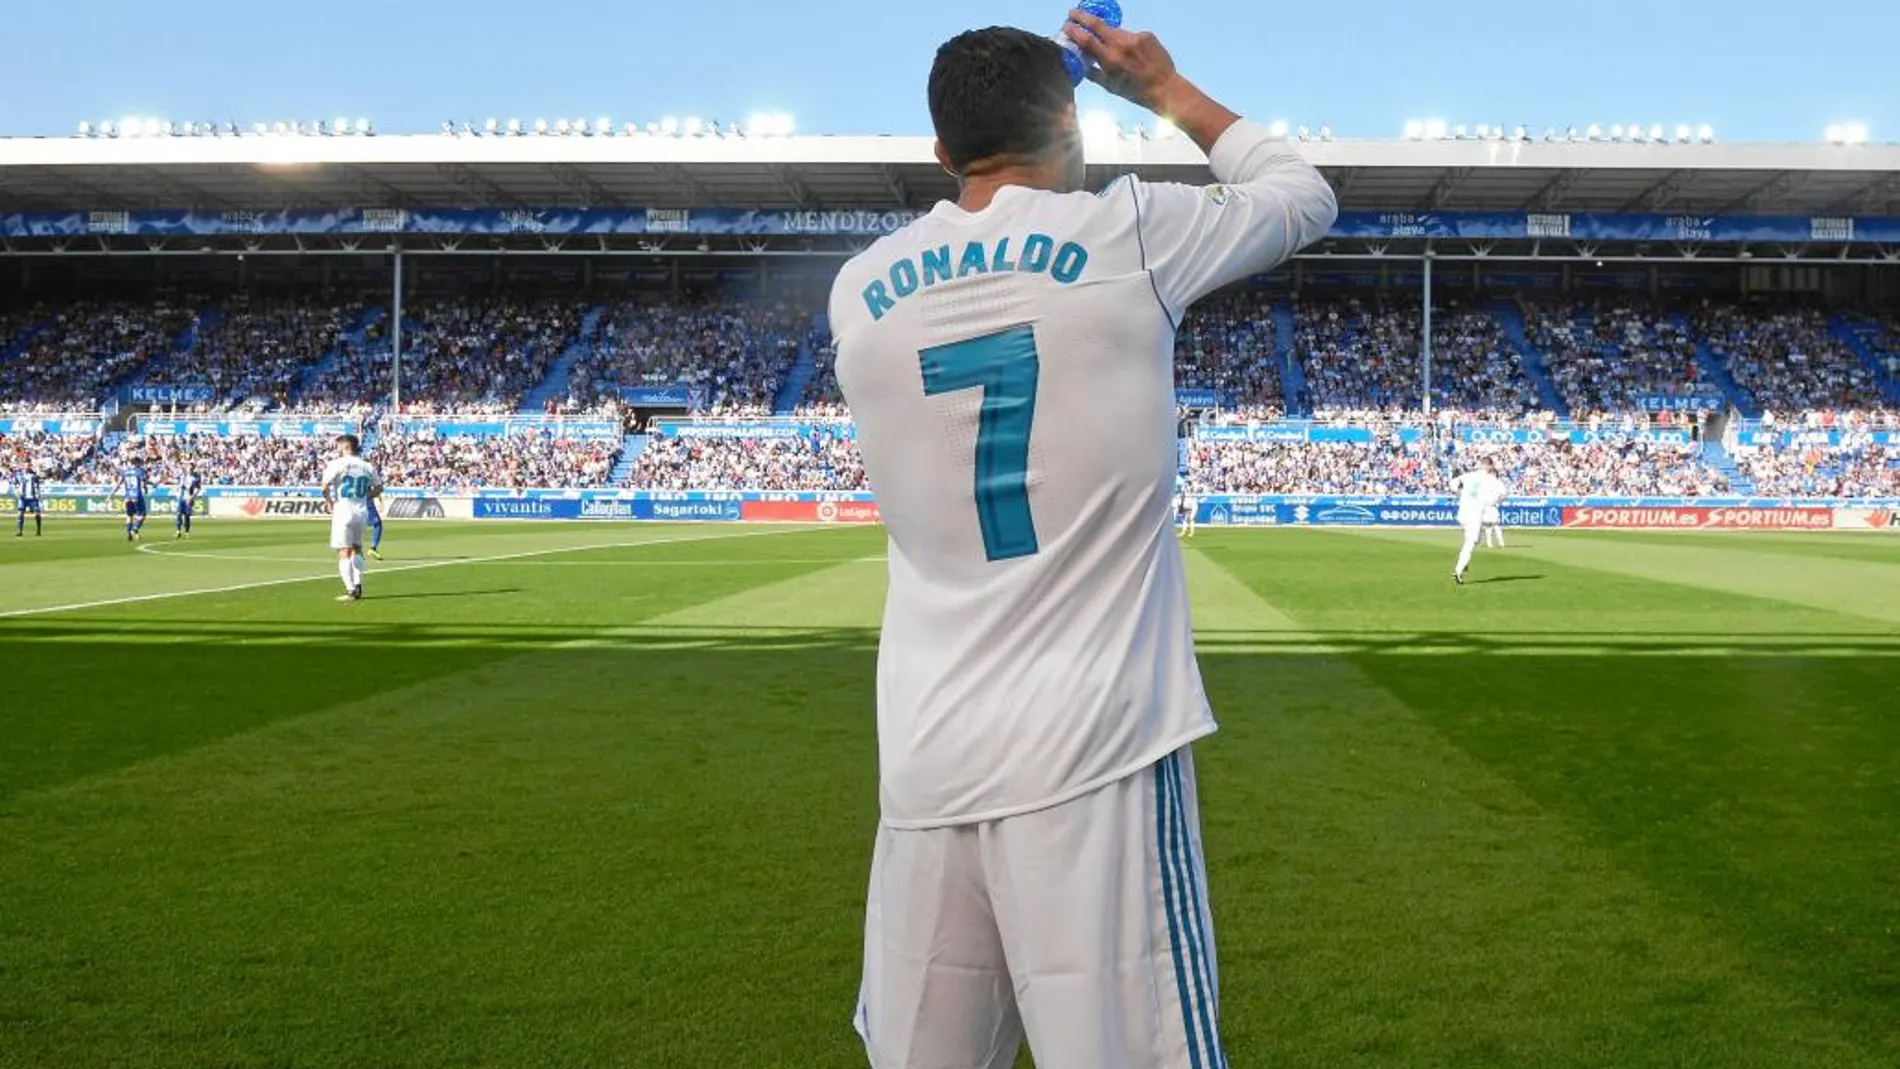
(1008, 359)
(1184, 505)
(1494, 520)
(1479, 491)
(349, 485)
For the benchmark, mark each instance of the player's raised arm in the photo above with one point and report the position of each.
(1271, 202)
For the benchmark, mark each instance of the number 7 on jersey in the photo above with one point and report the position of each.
(1005, 367)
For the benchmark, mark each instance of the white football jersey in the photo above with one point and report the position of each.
(1477, 490)
(1011, 375)
(351, 480)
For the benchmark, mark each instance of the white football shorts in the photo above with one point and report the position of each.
(1083, 927)
(348, 520)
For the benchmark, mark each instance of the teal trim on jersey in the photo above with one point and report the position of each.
(1163, 844)
(1197, 940)
(1006, 368)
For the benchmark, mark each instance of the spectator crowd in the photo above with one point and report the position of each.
(1362, 359)
(52, 456)
(458, 355)
(256, 351)
(1606, 356)
(1787, 360)
(818, 461)
(739, 352)
(1357, 357)
(1387, 466)
(86, 348)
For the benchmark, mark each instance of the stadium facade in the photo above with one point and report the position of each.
(769, 216)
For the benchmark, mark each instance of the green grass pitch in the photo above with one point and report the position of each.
(598, 795)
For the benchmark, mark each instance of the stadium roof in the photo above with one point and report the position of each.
(258, 173)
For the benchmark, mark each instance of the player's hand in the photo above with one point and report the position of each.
(1133, 66)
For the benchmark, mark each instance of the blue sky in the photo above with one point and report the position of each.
(1756, 70)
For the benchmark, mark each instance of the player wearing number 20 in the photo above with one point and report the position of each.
(349, 485)
(1008, 359)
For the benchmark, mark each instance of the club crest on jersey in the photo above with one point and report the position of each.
(1220, 195)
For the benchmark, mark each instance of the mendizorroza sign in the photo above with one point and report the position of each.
(1696, 517)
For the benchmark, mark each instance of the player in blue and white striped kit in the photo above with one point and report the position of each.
(189, 486)
(134, 487)
(1009, 360)
(26, 498)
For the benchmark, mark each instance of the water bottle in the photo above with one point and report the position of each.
(1077, 64)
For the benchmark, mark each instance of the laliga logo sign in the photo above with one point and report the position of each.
(828, 512)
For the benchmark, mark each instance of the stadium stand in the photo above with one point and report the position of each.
(52, 456)
(514, 461)
(239, 460)
(738, 351)
(1361, 358)
(1627, 325)
(254, 351)
(818, 461)
(88, 347)
(1226, 344)
(1787, 360)
(459, 355)
(1388, 467)
(822, 399)
(1864, 470)
(1605, 356)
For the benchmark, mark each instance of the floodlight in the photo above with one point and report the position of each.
(514, 127)
(1595, 133)
(540, 127)
(1278, 128)
(1414, 129)
(85, 129)
(670, 126)
(604, 126)
(1705, 133)
(1099, 126)
(1435, 129)
(692, 126)
(1684, 134)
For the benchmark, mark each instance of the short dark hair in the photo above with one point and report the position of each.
(998, 92)
(350, 442)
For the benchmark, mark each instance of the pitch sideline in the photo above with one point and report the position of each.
(266, 583)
